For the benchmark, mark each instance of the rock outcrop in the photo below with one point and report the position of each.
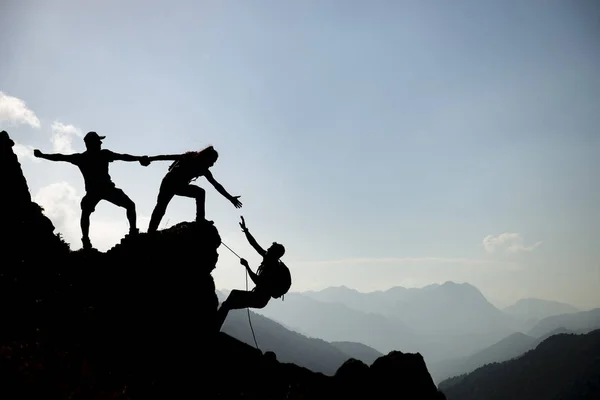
(27, 243)
(136, 322)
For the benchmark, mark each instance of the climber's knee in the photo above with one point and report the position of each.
(192, 191)
(88, 203)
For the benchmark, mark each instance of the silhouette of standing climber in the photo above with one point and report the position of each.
(93, 164)
(185, 168)
(272, 280)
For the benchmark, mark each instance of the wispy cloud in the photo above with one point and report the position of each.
(509, 242)
(14, 111)
(401, 260)
(62, 137)
(61, 203)
(24, 152)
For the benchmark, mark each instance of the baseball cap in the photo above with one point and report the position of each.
(93, 136)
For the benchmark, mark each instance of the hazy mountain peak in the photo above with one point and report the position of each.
(456, 285)
(537, 309)
(532, 301)
(339, 290)
(395, 289)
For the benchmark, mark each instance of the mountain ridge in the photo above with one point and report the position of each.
(563, 366)
(430, 317)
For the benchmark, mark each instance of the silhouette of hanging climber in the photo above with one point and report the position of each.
(185, 168)
(93, 164)
(272, 280)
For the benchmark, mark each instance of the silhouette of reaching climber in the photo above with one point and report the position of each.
(93, 164)
(272, 280)
(185, 168)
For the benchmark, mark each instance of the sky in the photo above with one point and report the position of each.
(384, 143)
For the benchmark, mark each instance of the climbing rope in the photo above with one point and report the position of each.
(247, 309)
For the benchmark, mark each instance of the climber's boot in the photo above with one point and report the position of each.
(133, 232)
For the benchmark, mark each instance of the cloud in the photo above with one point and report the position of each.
(509, 242)
(61, 203)
(401, 260)
(14, 111)
(62, 137)
(24, 152)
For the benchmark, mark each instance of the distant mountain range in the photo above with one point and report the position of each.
(338, 322)
(512, 346)
(444, 309)
(530, 311)
(452, 325)
(315, 354)
(576, 322)
(562, 366)
(439, 321)
(536, 309)
(518, 343)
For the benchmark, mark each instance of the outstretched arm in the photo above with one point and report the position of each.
(55, 157)
(251, 239)
(221, 189)
(126, 157)
(112, 156)
(166, 157)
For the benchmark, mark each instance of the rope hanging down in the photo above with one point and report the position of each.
(247, 309)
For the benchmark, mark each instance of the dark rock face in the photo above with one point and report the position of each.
(405, 373)
(564, 366)
(137, 321)
(396, 375)
(25, 224)
(28, 241)
(354, 379)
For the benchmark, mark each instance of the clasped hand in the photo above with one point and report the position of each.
(145, 160)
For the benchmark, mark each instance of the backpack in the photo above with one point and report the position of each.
(280, 280)
(184, 164)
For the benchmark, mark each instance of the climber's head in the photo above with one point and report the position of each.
(275, 252)
(210, 156)
(205, 158)
(93, 141)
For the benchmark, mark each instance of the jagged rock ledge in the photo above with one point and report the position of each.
(249, 374)
(168, 272)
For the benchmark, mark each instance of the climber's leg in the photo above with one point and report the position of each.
(237, 299)
(165, 194)
(118, 197)
(88, 205)
(199, 195)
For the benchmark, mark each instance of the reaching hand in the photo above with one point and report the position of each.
(244, 262)
(37, 153)
(236, 202)
(243, 225)
(145, 160)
